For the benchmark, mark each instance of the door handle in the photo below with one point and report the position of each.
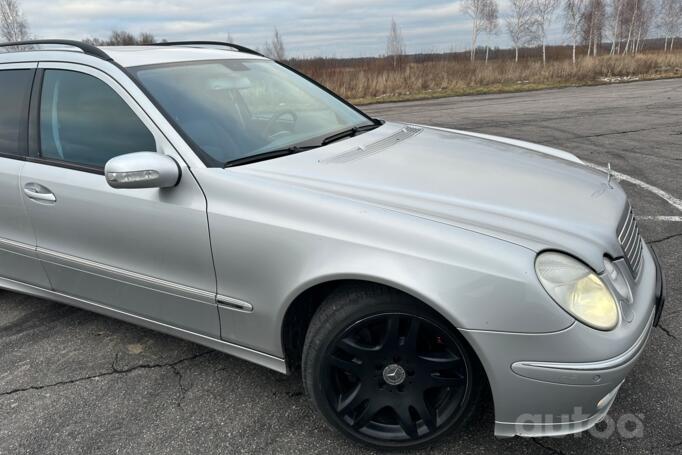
(39, 193)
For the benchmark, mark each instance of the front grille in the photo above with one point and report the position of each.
(631, 241)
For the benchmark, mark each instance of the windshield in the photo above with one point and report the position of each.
(235, 109)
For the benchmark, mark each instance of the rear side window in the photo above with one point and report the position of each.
(84, 121)
(15, 92)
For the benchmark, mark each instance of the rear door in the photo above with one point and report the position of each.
(18, 260)
(144, 252)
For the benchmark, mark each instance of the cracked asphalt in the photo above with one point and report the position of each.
(72, 382)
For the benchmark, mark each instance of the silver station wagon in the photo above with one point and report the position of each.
(205, 191)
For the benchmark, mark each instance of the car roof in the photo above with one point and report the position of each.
(130, 56)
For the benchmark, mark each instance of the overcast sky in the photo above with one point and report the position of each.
(333, 28)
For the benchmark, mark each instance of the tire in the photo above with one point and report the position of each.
(378, 363)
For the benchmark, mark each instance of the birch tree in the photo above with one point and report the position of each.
(634, 12)
(395, 45)
(614, 22)
(670, 21)
(573, 17)
(476, 10)
(275, 48)
(593, 25)
(645, 18)
(13, 24)
(520, 24)
(544, 14)
(491, 24)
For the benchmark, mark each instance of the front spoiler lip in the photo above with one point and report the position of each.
(553, 429)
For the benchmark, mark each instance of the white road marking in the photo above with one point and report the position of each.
(669, 198)
(661, 218)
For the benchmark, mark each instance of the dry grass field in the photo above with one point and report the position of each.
(418, 77)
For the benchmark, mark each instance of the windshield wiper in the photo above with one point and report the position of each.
(269, 155)
(350, 132)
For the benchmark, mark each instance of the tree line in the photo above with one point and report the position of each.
(625, 24)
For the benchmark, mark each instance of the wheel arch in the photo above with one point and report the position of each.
(301, 308)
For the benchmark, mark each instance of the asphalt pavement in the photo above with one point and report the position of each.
(73, 382)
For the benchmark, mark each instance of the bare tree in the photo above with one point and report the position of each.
(614, 24)
(395, 45)
(490, 24)
(122, 38)
(594, 15)
(634, 13)
(146, 38)
(13, 24)
(520, 24)
(670, 21)
(573, 17)
(544, 14)
(645, 20)
(476, 10)
(275, 48)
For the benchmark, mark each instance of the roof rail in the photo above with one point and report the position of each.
(86, 48)
(236, 47)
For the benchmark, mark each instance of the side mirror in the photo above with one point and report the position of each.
(142, 170)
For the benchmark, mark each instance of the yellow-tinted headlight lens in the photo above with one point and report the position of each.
(577, 289)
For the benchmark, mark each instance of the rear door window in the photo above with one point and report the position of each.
(15, 93)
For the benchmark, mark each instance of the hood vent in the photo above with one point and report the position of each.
(373, 148)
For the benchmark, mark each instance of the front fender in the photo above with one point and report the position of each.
(271, 241)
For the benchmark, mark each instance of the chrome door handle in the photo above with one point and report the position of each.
(39, 193)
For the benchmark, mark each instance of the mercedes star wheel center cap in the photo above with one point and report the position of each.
(394, 374)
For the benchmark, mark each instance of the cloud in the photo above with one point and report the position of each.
(310, 28)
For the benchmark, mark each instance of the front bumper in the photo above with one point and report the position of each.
(554, 398)
(660, 288)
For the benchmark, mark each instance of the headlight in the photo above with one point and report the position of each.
(577, 289)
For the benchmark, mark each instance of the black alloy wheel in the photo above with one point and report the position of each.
(394, 379)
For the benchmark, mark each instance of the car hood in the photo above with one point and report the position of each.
(523, 193)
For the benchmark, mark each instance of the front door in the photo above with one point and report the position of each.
(144, 252)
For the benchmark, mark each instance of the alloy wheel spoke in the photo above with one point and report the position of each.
(352, 400)
(452, 379)
(425, 413)
(391, 338)
(406, 421)
(356, 350)
(410, 341)
(372, 408)
(438, 361)
(349, 366)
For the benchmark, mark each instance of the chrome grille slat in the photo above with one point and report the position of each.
(630, 240)
(638, 256)
(626, 230)
(629, 244)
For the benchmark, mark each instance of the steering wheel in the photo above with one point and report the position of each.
(275, 118)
